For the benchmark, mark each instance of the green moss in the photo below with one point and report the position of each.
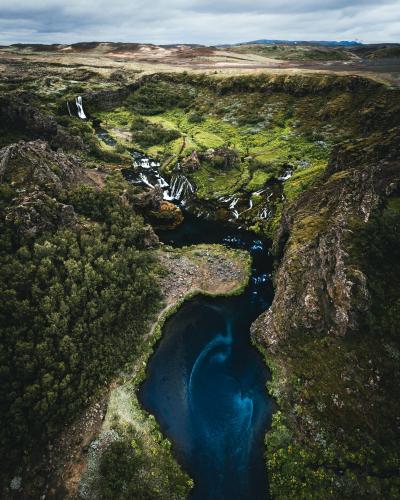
(301, 180)
(258, 180)
(308, 228)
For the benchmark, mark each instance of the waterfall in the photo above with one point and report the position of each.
(79, 106)
(145, 180)
(162, 182)
(233, 203)
(287, 175)
(264, 213)
(180, 187)
(69, 109)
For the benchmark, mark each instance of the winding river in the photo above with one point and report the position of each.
(206, 383)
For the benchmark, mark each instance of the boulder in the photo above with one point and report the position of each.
(31, 165)
(191, 163)
(168, 216)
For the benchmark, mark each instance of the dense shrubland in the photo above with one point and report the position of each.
(148, 134)
(74, 304)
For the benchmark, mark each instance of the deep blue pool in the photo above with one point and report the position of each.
(206, 383)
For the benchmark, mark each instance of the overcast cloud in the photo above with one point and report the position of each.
(197, 21)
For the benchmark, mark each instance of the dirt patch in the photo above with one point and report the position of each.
(96, 177)
(199, 268)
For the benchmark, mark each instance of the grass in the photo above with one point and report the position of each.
(302, 179)
(294, 53)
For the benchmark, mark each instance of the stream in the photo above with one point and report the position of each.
(205, 381)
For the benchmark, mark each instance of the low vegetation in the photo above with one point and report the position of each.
(74, 303)
(294, 52)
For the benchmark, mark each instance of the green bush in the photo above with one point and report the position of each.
(156, 97)
(195, 118)
(74, 304)
(148, 134)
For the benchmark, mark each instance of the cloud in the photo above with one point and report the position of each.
(197, 21)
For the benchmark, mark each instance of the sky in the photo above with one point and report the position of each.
(206, 22)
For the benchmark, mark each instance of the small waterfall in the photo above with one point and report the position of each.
(162, 182)
(236, 214)
(79, 107)
(286, 175)
(180, 187)
(69, 109)
(145, 180)
(264, 213)
(233, 203)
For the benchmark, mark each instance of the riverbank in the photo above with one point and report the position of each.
(212, 270)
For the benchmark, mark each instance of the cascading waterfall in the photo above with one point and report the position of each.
(79, 107)
(264, 213)
(145, 180)
(180, 187)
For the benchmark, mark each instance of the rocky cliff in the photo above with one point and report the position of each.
(334, 362)
(21, 116)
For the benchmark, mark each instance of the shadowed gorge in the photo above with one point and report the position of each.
(206, 383)
(199, 271)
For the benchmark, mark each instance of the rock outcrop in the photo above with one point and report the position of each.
(34, 164)
(223, 157)
(38, 176)
(316, 288)
(167, 216)
(191, 163)
(21, 114)
(162, 214)
(36, 212)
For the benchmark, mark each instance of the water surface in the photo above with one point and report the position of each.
(206, 383)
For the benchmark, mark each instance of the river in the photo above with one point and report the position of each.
(206, 382)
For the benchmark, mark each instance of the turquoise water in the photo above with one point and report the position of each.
(206, 383)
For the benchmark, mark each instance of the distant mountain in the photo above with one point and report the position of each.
(326, 43)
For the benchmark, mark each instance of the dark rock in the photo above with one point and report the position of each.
(150, 199)
(36, 213)
(21, 114)
(28, 165)
(223, 157)
(191, 163)
(167, 216)
(150, 239)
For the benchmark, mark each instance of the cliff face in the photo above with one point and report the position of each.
(317, 288)
(34, 164)
(37, 177)
(335, 433)
(19, 114)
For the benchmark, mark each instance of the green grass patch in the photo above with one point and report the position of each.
(302, 180)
